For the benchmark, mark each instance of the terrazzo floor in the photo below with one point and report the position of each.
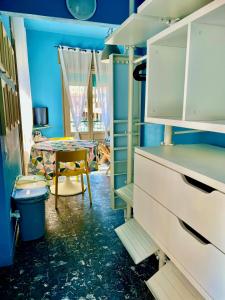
(80, 256)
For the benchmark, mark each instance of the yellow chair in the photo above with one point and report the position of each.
(65, 138)
(72, 156)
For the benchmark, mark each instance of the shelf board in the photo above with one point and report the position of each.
(121, 174)
(120, 149)
(137, 242)
(126, 193)
(41, 127)
(136, 30)
(172, 9)
(170, 284)
(199, 161)
(125, 134)
(214, 126)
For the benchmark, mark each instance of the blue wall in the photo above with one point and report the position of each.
(108, 11)
(45, 75)
(10, 167)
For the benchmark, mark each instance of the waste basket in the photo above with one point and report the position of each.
(29, 195)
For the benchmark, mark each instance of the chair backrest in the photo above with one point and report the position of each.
(66, 138)
(72, 156)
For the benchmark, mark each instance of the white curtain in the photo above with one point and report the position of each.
(76, 68)
(102, 88)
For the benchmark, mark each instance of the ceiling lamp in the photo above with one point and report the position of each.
(81, 9)
(109, 49)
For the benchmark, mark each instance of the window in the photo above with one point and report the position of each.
(92, 113)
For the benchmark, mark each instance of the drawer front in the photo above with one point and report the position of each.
(201, 210)
(204, 262)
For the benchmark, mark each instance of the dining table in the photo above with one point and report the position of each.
(43, 162)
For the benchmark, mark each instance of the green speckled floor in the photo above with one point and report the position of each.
(80, 257)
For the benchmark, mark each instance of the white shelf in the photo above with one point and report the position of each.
(170, 284)
(137, 242)
(171, 9)
(126, 193)
(136, 30)
(205, 92)
(39, 127)
(186, 71)
(214, 126)
(199, 161)
(166, 75)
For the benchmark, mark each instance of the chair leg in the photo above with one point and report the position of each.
(89, 188)
(82, 183)
(56, 191)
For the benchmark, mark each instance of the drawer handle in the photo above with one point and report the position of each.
(194, 233)
(195, 183)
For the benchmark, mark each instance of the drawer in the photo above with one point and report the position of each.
(202, 210)
(203, 261)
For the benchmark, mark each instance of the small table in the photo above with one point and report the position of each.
(42, 162)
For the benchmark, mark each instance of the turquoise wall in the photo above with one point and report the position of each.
(10, 167)
(45, 75)
(6, 23)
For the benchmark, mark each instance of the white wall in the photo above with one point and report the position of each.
(19, 33)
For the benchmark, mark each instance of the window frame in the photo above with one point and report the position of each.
(90, 134)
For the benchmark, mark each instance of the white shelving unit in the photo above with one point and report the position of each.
(188, 61)
(137, 242)
(185, 88)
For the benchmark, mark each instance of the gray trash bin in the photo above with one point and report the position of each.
(29, 195)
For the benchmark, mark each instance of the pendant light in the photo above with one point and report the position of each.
(81, 9)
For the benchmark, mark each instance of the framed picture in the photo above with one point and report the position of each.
(4, 122)
(9, 100)
(1, 48)
(6, 106)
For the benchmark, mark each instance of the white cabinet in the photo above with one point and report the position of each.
(197, 204)
(186, 71)
(204, 262)
(179, 201)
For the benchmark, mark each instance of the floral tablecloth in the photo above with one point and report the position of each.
(42, 158)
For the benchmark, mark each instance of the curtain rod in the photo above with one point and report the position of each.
(75, 48)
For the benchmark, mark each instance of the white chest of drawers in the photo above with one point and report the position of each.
(184, 215)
